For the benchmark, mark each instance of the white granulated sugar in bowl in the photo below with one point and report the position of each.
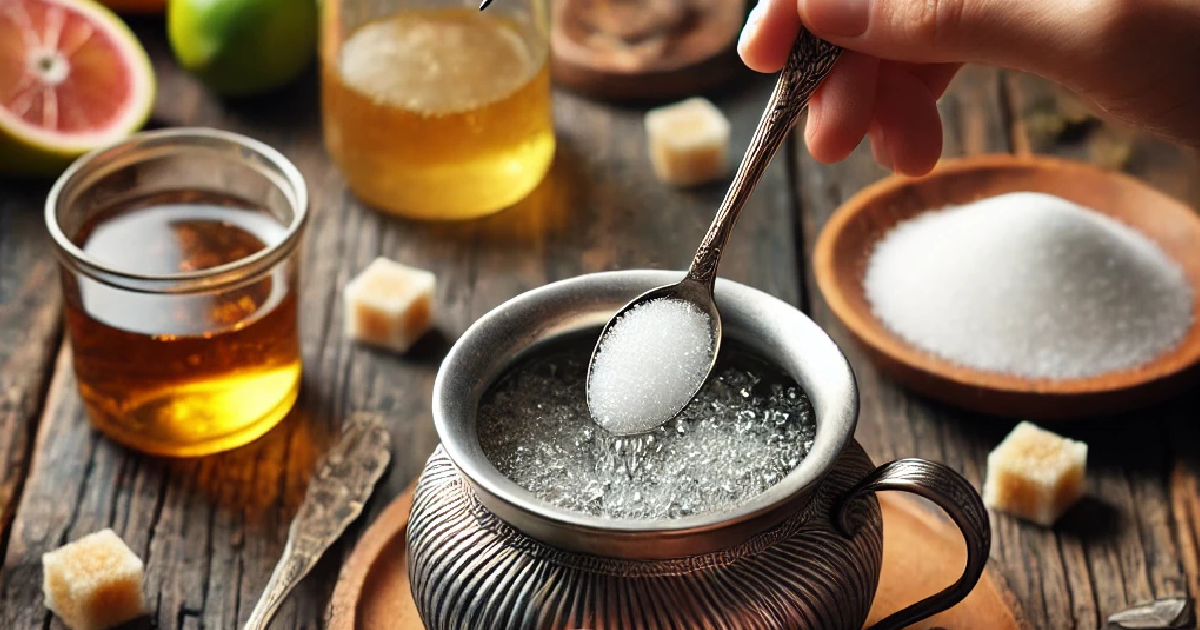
(649, 365)
(1031, 285)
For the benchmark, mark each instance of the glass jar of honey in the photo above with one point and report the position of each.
(434, 109)
(178, 254)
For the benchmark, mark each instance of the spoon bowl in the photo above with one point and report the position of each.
(689, 291)
(809, 62)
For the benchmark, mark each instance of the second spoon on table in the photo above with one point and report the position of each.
(335, 497)
(809, 62)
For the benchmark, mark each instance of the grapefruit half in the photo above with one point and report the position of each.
(72, 78)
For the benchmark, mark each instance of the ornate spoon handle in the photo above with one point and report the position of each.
(809, 62)
(334, 499)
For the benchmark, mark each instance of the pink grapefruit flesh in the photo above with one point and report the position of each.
(72, 78)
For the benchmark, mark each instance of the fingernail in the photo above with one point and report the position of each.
(837, 18)
(882, 158)
(880, 149)
(752, 24)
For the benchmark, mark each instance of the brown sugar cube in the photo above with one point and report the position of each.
(93, 583)
(389, 305)
(688, 142)
(1035, 475)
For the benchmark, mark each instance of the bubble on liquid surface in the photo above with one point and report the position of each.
(747, 429)
(649, 364)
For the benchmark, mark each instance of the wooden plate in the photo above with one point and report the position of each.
(372, 591)
(922, 553)
(696, 56)
(842, 249)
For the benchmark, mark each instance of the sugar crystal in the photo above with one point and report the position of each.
(93, 583)
(1029, 284)
(1035, 474)
(649, 364)
(747, 429)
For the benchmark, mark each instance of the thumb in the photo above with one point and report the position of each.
(1031, 35)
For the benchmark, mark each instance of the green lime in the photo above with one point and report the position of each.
(243, 47)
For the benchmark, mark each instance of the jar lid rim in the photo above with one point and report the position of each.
(287, 180)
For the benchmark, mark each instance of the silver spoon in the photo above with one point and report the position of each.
(808, 63)
(334, 499)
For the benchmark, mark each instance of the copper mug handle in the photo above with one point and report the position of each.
(950, 491)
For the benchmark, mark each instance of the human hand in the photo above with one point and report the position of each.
(1139, 60)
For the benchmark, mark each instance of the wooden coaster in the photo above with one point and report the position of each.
(645, 50)
(372, 590)
(922, 553)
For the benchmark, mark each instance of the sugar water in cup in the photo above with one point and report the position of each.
(435, 110)
(179, 270)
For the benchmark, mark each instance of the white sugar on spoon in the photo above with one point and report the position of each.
(660, 352)
(651, 362)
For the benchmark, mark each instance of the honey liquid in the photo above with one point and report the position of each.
(440, 113)
(193, 373)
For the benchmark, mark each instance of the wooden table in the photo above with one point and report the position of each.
(210, 530)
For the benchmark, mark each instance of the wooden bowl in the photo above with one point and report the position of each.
(848, 238)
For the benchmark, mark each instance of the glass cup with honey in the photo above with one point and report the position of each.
(433, 109)
(179, 259)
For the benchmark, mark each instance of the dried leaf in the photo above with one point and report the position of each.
(1173, 613)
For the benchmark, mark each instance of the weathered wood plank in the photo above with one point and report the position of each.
(29, 333)
(1184, 489)
(1126, 542)
(211, 529)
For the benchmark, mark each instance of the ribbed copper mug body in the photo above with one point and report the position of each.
(486, 554)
